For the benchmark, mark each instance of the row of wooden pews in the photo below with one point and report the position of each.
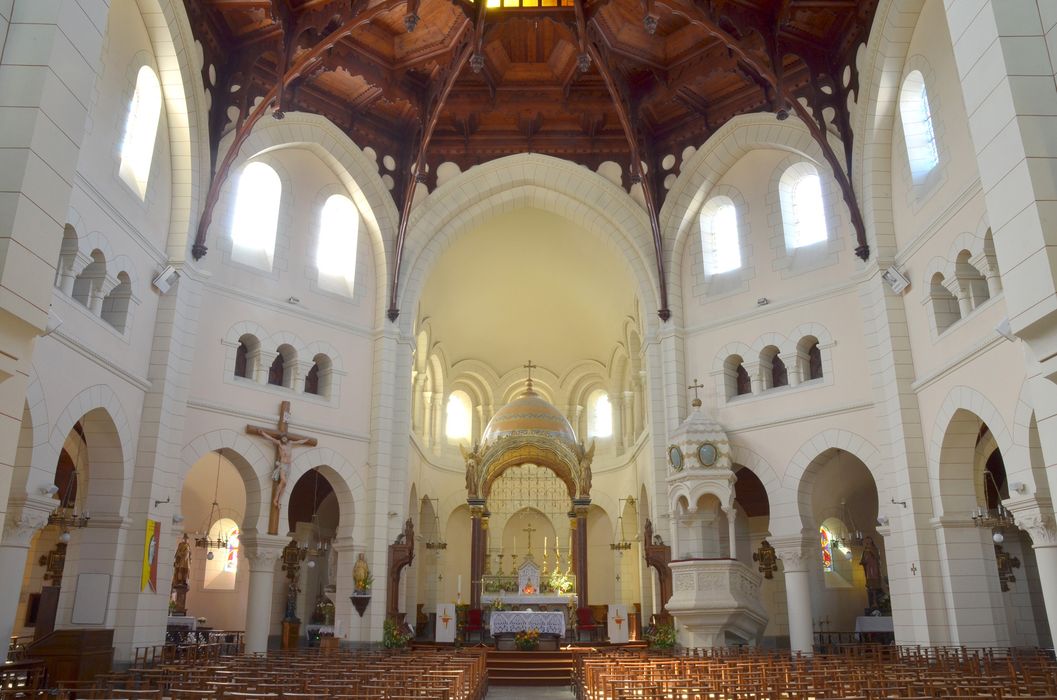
(301, 675)
(860, 672)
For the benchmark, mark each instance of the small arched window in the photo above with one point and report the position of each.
(736, 377)
(116, 303)
(246, 356)
(459, 416)
(256, 216)
(599, 416)
(775, 373)
(338, 236)
(281, 372)
(720, 246)
(141, 129)
(803, 209)
(945, 309)
(809, 358)
(317, 381)
(916, 116)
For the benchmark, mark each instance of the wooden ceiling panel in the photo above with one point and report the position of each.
(700, 67)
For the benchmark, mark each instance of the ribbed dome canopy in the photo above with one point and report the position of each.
(529, 414)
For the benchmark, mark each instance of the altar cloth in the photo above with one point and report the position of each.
(506, 621)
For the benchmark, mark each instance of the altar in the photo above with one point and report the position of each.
(513, 621)
(519, 600)
(525, 590)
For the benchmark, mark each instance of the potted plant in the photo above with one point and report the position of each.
(392, 636)
(528, 640)
(661, 637)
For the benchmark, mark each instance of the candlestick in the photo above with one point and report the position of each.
(458, 588)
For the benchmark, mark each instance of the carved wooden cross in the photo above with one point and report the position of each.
(529, 530)
(283, 453)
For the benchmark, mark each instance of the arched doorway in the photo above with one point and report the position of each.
(213, 505)
(838, 499)
(314, 517)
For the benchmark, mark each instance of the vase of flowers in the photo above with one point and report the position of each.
(661, 637)
(528, 640)
(392, 636)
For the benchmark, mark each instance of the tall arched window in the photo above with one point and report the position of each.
(222, 563)
(720, 247)
(141, 128)
(599, 416)
(916, 116)
(803, 210)
(336, 254)
(459, 420)
(256, 216)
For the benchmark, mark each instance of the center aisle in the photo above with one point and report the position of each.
(515, 693)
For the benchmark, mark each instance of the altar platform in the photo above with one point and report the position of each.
(526, 600)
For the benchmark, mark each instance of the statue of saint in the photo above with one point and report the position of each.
(584, 477)
(361, 574)
(473, 478)
(182, 563)
(871, 564)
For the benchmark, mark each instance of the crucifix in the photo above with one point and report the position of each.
(284, 442)
(529, 366)
(529, 530)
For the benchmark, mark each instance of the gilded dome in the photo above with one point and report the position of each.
(529, 414)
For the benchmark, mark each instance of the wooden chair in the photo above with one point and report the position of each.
(475, 623)
(585, 622)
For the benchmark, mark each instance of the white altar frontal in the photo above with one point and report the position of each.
(513, 621)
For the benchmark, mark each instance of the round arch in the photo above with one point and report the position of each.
(344, 479)
(253, 466)
(526, 180)
(357, 172)
(954, 431)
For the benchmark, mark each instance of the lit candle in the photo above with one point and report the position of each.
(544, 545)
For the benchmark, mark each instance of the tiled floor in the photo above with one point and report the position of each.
(509, 692)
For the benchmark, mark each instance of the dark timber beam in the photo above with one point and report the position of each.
(764, 67)
(628, 117)
(466, 45)
(306, 63)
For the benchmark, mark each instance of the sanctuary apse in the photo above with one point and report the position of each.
(832, 214)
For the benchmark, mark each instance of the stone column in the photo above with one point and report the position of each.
(477, 515)
(754, 370)
(580, 506)
(263, 552)
(732, 516)
(1043, 531)
(22, 523)
(792, 367)
(796, 558)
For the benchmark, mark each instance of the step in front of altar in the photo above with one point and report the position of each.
(524, 668)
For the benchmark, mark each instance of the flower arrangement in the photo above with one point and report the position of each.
(560, 582)
(661, 637)
(497, 603)
(528, 640)
(392, 636)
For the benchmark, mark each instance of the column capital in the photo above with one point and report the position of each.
(795, 551)
(261, 551)
(1042, 528)
(26, 516)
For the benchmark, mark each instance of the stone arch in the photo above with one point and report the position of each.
(254, 466)
(113, 452)
(734, 348)
(1025, 462)
(880, 79)
(790, 512)
(346, 481)
(350, 164)
(520, 450)
(954, 430)
(527, 180)
(741, 456)
(184, 100)
(707, 166)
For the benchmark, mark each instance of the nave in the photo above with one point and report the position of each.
(853, 672)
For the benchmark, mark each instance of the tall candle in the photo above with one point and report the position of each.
(458, 589)
(544, 545)
(515, 544)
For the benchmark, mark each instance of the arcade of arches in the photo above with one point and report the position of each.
(257, 343)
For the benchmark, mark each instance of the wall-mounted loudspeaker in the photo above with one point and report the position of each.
(165, 279)
(896, 280)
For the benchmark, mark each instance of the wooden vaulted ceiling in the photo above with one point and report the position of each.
(632, 81)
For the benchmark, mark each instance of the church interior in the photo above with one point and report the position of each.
(598, 328)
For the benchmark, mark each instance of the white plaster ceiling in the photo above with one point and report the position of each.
(528, 284)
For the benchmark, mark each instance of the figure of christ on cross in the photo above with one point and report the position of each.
(284, 442)
(529, 530)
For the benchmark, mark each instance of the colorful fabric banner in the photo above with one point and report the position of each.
(149, 575)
